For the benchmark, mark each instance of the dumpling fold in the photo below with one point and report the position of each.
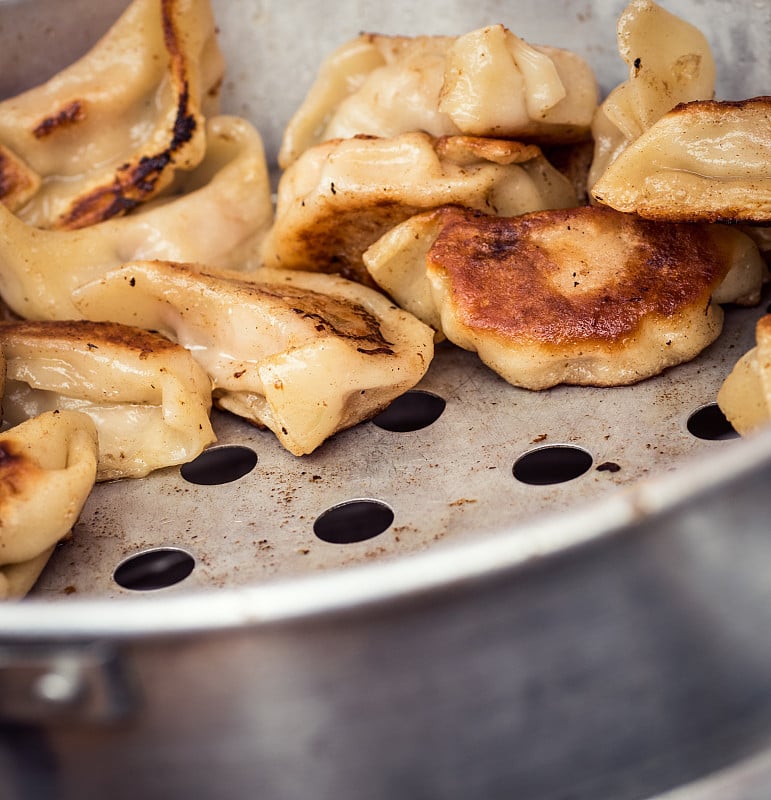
(108, 132)
(488, 82)
(340, 196)
(217, 214)
(670, 62)
(149, 399)
(47, 471)
(303, 354)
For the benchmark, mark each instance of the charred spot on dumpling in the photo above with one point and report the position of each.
(334, 315)
(16, 471)
(18, 182)
(67, 116)
(134, 182)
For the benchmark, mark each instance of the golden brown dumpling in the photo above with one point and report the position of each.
(745, 395)
(340, 196)
(488, 82)
(669, 61)
(47, 471)
(303, 354)
(148, 397)
(705, 161)
(219, 214)
(584, 296)
(109, 131)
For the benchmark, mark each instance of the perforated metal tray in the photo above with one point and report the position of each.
(450, 481)
(400, 614)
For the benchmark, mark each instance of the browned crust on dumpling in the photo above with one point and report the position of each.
(18, 472)
(137, 180)
(17, 181)
(71, 113)
(334, 315)
(721, 108)
(660, 191)
(83, 334)
(509, 277)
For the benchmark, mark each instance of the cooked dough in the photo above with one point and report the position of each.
(745, 396)
(488, 82)
(669, 61)
(47, 471)
(109, 131)
(582, 296)
(218, 215)
(303, 354)
(341, 196)
(705, 161)
(761, 235)
(148, 397)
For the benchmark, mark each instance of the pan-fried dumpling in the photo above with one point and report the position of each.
(488, 82)
(340, 196)
(303, 354)
(705, 161)
(47, 471)
(583, 296)
(745, 396)
(218, 216)
(148, 397)
(670, 62)
(109, 131)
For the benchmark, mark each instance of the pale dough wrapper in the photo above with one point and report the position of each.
(302, 354)
(704, 161)
(149, 399)
(216, 214)
(584, 296)
(745, 396)
(670, 61)
(340, 196)
(47, 470)
(488, 82)
(109, 131)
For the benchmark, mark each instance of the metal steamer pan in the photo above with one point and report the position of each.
(399, 614)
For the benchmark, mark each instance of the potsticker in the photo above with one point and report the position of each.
(218, 214)
(303, 354)
(488, 82)
(147, 396)
(340, 196)
(584, 296)
(108, 132)
(704, 161)
(47, 471)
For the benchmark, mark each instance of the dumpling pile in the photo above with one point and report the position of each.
(147, 172)
(394, 126)
(580, 292)
(471, 188)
